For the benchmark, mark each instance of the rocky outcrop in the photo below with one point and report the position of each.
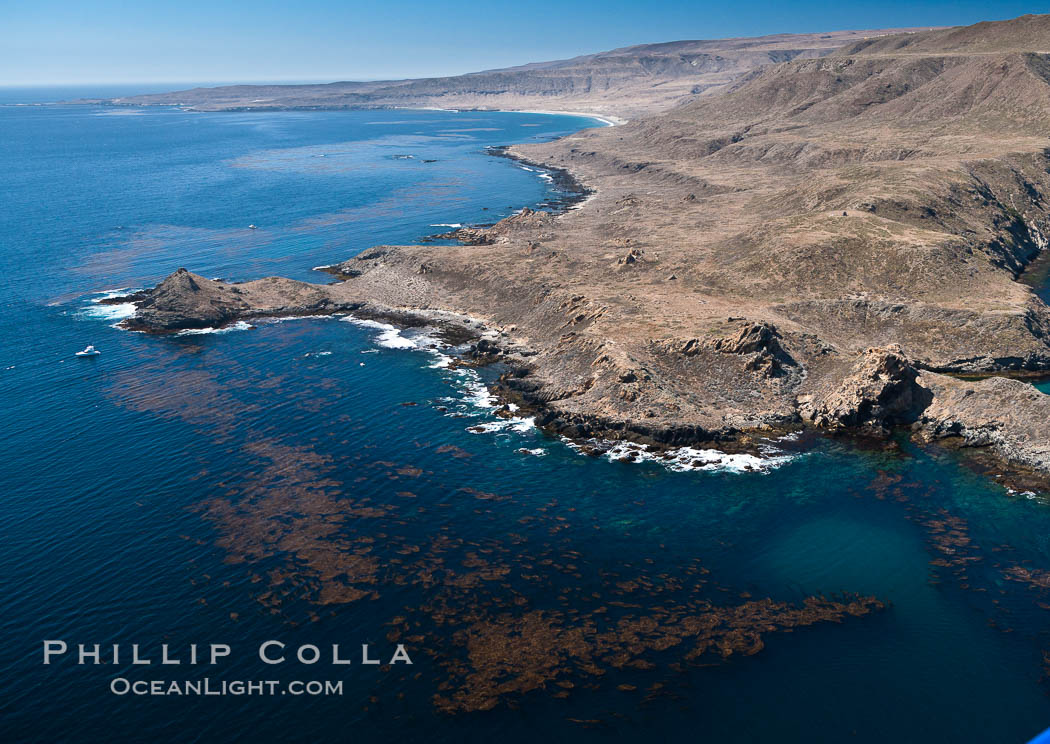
(631, 256)
(881, 391)
(759, 344)
(1010, 416)
(751, 338)
(884, 390)
(526, 221)
(185, 300)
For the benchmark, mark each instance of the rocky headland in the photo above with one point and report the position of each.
(825, 244)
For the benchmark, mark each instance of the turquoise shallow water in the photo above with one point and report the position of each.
(322, 481)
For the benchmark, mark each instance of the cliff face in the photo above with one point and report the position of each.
(623, 82)
(814, 245)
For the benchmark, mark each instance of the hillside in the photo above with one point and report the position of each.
(1025, 34)
(623, 82)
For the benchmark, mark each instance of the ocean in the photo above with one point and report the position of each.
(331, 482)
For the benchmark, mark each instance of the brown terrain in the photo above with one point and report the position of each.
(822, 243)
(621, 83)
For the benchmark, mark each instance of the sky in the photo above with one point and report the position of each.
(70, 42)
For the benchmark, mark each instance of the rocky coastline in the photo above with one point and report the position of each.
(883, 393)
(830, 246)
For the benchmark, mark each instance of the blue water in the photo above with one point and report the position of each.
(311, 482)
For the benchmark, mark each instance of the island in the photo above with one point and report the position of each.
(831, 242)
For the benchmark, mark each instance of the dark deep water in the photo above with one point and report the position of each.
(314, 481)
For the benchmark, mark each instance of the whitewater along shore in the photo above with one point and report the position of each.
(824, 245)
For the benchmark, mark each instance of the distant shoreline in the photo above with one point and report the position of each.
(608, 119)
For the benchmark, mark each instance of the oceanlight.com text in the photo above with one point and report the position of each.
(209, 687)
